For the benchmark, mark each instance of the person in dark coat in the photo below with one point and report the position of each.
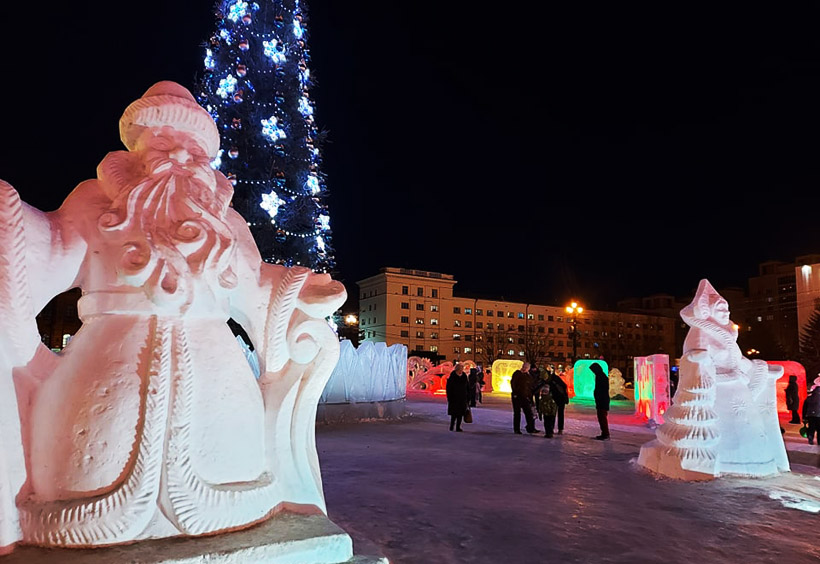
(472, 382)
(521, 399)
(536, 383)
(793, 399)
(601, 395)
(559, 392)
(811, 412)
(456, 389)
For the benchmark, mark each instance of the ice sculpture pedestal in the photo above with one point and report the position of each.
(660, 459)
(288, 538)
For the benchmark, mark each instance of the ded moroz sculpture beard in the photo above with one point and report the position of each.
(150, 423)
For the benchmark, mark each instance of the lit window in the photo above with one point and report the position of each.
(511, 352)
(434, 335)
(434, 348)
(419, 334)
(457, 323)
(456, 337)
(520, 315)
(467, 350)
(419, 321)
(468, 310)
(456, 349)
(433, 321)
(520, 353)
(66, 339)
(530, 316)
(434, 307)
(478, 312)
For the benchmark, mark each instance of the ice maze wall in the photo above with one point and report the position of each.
(369, 382)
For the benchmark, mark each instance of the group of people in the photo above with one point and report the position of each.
(536, 392)
(811, 407)
(543, 392)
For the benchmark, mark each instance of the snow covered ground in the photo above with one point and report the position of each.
(419, 494)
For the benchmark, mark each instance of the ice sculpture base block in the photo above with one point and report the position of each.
(330, 413)
(287, 538)
(661, 459)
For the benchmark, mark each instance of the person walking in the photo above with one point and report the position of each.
(456, 389)
(811, 412)
(558, 389)
(472, 382)
(521, 394)
(793, 399)
(601, 395)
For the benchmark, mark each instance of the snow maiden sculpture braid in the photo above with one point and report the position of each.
(724, 416)
(150, 423)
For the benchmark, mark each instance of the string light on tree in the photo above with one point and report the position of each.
(256, 86)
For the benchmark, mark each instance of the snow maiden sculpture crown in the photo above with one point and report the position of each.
(150, 423)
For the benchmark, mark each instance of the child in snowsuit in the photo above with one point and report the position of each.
(548, 408)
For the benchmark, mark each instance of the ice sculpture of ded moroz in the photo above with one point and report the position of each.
(724, 414)
(150, 423)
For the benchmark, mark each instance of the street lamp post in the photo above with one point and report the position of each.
(575, 310)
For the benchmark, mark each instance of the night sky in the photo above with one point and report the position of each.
(591, 153)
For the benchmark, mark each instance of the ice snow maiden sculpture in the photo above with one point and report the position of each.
(724, 418)
(151, 424)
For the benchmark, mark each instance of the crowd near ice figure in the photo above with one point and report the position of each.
(724, 419)
(151, 423)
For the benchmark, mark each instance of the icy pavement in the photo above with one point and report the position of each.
(419, 494)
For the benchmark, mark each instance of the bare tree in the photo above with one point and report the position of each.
(534, 345)
(492, 343)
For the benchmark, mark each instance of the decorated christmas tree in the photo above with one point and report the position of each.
(256, 85)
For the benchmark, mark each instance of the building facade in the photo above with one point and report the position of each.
(419, 309)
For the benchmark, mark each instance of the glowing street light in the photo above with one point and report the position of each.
(351, 319)
(574, 310)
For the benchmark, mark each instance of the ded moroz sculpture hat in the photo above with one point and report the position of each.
(167, 103)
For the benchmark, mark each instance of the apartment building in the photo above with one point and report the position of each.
(418, 309)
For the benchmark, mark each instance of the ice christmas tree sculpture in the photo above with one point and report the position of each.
(690, 434)
(256, 87)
